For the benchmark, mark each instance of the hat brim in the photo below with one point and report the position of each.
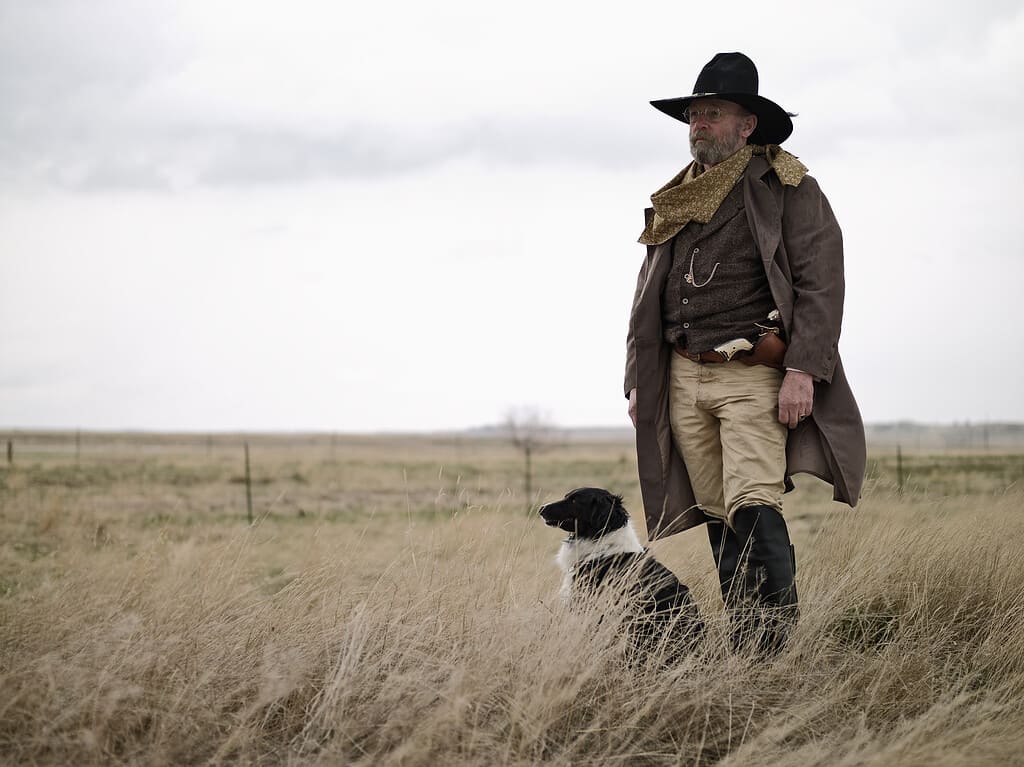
(773, 122)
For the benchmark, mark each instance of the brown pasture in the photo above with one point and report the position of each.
(395, 603)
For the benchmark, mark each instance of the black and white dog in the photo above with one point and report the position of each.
(603, 550)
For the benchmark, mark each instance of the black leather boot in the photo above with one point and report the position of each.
(736, 592)
(726, 552)
(757, 573)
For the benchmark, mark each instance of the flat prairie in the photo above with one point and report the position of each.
(394, 601)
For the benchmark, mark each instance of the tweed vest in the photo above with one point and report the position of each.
(717, 290)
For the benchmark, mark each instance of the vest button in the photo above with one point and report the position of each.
(686, 300)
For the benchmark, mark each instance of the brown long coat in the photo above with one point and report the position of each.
(802, 248)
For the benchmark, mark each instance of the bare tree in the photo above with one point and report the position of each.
(529, 431)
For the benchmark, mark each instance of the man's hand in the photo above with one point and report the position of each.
(796, 397)
(632, 406)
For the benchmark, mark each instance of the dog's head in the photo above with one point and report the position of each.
(587, 512)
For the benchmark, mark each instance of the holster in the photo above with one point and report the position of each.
(769, 350)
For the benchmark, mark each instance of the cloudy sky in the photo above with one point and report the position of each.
(408, 215)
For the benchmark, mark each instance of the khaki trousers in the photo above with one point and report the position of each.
(725, 425)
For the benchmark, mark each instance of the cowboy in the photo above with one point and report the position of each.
(733, 374)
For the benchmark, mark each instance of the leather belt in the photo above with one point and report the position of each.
(769, 350)
(701, 358)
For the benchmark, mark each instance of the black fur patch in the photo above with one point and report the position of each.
(588, 512)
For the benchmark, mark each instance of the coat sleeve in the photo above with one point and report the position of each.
(630, 382)
(641, 280)
(814, 247)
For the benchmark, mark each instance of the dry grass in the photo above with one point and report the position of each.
(395, 604)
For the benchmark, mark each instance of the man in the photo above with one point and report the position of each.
(732, 373)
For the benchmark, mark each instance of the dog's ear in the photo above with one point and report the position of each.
(606, 512)
(617, 516)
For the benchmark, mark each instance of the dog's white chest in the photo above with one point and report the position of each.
(575, 551)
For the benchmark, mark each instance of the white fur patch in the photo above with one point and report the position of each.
(577, 550)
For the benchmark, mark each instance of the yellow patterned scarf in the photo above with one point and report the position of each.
(691, 197)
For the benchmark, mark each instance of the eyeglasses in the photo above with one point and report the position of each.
(711, 114)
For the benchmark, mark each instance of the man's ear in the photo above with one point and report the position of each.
(749, 124)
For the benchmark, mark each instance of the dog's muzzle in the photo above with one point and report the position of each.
(550, 518)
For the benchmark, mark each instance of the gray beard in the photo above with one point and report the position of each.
(713, 151)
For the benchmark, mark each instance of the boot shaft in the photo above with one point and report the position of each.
(756, 566)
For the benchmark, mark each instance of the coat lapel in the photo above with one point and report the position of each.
(657, 272)
(763, 212)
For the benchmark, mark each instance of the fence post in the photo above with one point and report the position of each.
(529, 477)
(899, 470)
(10, 452)
(248, 485)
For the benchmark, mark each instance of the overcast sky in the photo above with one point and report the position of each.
(416, 215)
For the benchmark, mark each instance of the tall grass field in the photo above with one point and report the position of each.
(394, 601)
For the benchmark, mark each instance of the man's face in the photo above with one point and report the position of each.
(713, 139)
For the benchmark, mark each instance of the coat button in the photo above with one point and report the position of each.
(686, 300)
(686, 324)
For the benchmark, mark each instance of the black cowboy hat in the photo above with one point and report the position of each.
(733, 77)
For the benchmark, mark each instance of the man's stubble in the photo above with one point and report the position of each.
(713, 151)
